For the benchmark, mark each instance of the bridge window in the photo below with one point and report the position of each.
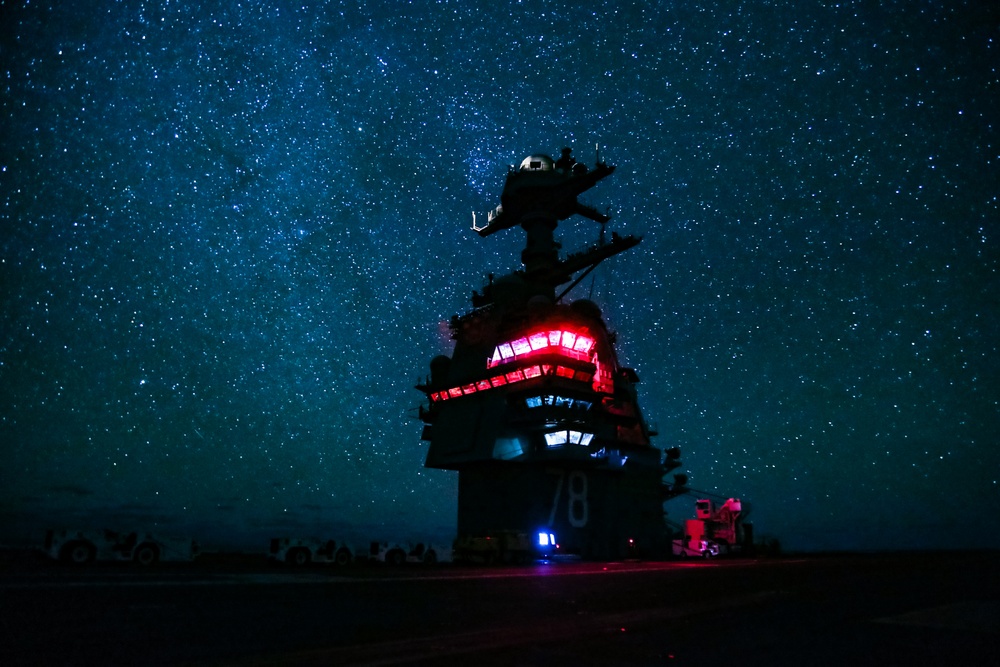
(559, 438)
(558, 401)
(520, 375)
(569, 343)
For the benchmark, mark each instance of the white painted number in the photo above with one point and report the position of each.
(577, 506)
(579, 511)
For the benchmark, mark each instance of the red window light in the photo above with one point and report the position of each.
(569, 342)
(469, 389)
(454, 392)
(482, 385)
(538, 341)
(532, 372)
(498, 381)
(521, 346)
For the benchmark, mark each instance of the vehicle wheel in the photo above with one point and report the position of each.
(343, 557)
(77, 553)
(682, 555)
(299, 557)
(395, 557)
(430, 557)
(146, 554)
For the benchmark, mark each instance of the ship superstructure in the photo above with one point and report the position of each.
(533, 409)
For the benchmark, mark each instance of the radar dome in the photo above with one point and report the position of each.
(440, 367)
(538, 162)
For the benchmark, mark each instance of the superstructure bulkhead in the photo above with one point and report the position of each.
(532, 408)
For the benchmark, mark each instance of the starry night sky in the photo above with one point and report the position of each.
(232, 233)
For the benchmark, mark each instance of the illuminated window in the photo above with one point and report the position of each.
(521, 346)
(538, 341)
(557, 401)
(558, 438)
(570, 343)
(566, 343)
(555, 439)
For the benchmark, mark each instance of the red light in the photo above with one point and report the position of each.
(515, 376)
(538, 340)
(564, 342)
(521, 346)
(569, 343)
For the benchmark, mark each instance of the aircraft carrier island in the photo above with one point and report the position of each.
(533, 409)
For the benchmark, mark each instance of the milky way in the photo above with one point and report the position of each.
(232, 233)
